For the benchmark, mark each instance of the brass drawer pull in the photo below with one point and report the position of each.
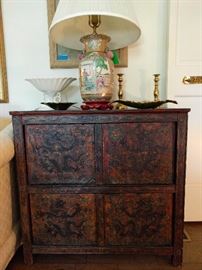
(192, 80)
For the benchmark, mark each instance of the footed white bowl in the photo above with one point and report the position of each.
(51, 86)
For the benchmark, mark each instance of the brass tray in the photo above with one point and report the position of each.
(144, 104)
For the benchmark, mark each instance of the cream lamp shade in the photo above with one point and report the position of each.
(118, 21)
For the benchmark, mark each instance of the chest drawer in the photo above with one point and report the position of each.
(63, 220)
(60, 154)
(139, 153)
(138, 219)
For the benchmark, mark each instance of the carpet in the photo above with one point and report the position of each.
(186, 236)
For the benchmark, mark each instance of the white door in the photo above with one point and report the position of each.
(185, 59)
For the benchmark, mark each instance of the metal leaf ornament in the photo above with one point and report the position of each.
(145, 105)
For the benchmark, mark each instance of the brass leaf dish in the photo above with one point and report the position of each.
(144, 104)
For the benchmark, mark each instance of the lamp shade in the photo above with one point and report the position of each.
(118, 21)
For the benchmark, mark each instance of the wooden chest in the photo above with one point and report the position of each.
(101, 182)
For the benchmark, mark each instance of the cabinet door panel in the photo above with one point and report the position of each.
(139, 153)
(60, 154)
(63, 219)
(138, 219)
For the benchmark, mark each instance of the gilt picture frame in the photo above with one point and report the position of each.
(3, 73)
(61, 57)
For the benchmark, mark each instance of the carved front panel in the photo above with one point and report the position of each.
(60, 154)
(139, 153)
(138, 219)
(63, 219)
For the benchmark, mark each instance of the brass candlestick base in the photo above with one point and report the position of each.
(156, 87)
(120, 92)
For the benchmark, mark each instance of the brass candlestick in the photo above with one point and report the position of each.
(120, 92)
(156, 87)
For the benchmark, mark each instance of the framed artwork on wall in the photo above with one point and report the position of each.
(3, 73)
(61, 57)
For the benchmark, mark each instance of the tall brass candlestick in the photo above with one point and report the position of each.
(120, 92)
(156, 87)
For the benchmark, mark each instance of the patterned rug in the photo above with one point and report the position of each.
(186, 236)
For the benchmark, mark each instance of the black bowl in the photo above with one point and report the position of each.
(59, 106)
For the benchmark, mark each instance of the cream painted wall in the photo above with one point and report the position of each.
(27, 52)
